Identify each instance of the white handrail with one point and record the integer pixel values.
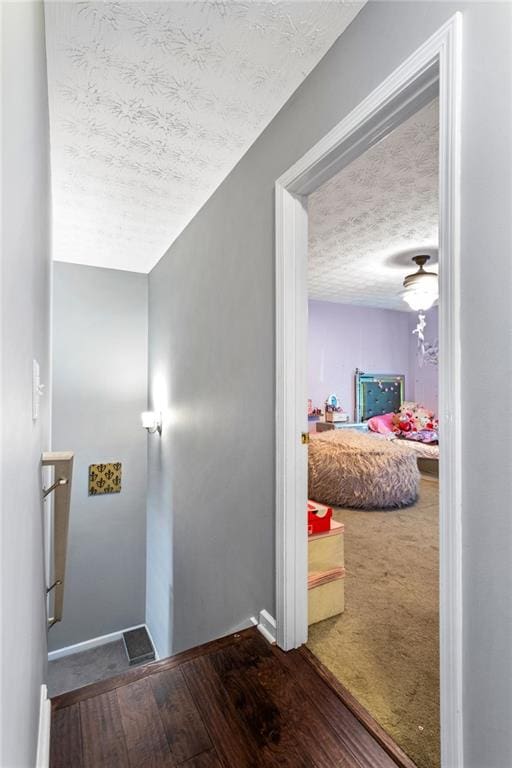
(62, 461)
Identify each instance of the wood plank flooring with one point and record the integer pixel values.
(235, 703)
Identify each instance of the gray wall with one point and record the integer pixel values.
(212, 347)
(25, 303)
(99, 390)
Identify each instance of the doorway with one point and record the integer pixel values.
(373, 552)
(435, 67)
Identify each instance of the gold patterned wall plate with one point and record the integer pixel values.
(104, 478)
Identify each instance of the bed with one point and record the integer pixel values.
(365, 469)
(377, 394)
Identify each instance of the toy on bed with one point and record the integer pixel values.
(412, 422)
(413, 417)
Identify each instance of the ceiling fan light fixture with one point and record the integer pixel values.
(421, 289)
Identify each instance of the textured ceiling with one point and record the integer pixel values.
(152, 104)
(367, 222)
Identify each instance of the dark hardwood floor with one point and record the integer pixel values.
(235, 703)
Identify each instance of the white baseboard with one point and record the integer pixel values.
(43, 737)
(94, 642)
(266, 624)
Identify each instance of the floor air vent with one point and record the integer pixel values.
(138, 645)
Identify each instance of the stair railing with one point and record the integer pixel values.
(62, 461)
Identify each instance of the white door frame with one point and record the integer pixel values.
(434, 67)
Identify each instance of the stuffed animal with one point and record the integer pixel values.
(413, 417)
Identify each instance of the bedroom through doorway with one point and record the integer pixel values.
(373, 452)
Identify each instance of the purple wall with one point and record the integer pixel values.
(343, 337)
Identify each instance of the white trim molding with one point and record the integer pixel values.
(94, 642)
(435, 68)
(266, 624)
(157, 655)
(43, 736)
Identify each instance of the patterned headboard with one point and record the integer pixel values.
(378, 393)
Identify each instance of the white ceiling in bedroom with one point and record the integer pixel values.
(152, 104)
(367, 222)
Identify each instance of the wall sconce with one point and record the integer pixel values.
(152, 421)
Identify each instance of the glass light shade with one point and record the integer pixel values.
(149, 420)
(421, 290)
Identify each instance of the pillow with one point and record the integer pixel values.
(382, 424)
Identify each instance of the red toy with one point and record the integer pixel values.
(319, 518)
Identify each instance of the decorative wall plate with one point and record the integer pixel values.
(105, 478)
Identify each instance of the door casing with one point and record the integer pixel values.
(434, 68)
